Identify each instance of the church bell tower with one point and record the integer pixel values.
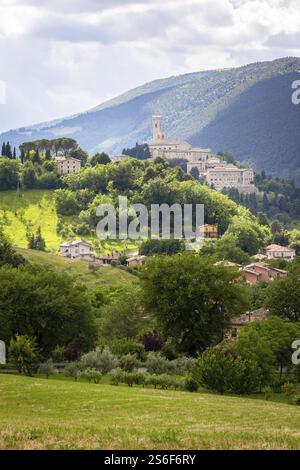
(158, 135)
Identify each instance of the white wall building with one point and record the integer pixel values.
(280, 252)
(67, 165)
(210, 168)
(76, 249)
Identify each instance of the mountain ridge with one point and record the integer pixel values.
(209, 108)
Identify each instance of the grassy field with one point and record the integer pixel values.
(56, 414)
(36, 208)
(106, 275)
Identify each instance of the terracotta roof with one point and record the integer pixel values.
(136, 258)
(251, 271)
(279, 248)
(260, 265)
(112, 256)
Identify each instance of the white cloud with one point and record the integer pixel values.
(64, 56)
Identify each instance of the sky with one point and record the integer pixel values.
(61, 57)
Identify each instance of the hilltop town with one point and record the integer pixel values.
(209, 168)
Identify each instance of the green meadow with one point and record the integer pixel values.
(61, 414)
(105, 275)
(22, 211)
(32, 209)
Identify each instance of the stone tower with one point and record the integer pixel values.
(158, 135)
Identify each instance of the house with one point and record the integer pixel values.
(67, 165)
(245, 319)
(262, 272)
(280, 252)
(108, 259)
(251, 276)
(136, 261)
(79, 249)
(208, 231)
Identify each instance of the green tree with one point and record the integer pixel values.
(50, 306)
(8, 152)
(8, 256)
(275, 227)
(100, 159)
(28, 175)
(192, 298)
(284, 297)
(123, 317)
(22, 352)
(9, 173)
(278, 336)
(222, 371)
(166, 247)
(251, 345)
(262, 219)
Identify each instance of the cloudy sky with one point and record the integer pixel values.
(60, 57)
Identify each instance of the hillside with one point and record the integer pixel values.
(35, 413)
(27, 210)
(247, 111)
(106, 275)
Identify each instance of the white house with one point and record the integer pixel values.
(76, 249)
(280, 252)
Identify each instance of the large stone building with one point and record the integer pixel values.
(67, 165)
(216, 172)
(176, 149)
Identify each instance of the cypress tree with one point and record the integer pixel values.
(36, 157)
(3, 151)
(48, 155)
(22, 157)
(8, 152)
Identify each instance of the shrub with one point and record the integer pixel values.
(117, 377)
(129, 362)
(153, 380)
(289, 389)
(72, 353)
(73, 369)
(191, 384)
(92, 375)
(58, 353)
(157, 364)
(183, 364)
(121, 347)
(163, 381)
(133, 378)
(23, 352)
(267, 392)
(47, 368)
(152, 341)
(222, 372)
(104, 361)
(297, 400)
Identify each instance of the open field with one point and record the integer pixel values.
(57, 414)
(106, 275)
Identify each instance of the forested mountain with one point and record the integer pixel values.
(247, 111)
